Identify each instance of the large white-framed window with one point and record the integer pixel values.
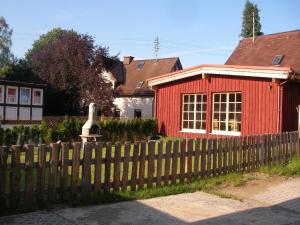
(25, 96)
(194, 113)
(11, 95)
(227, 113)
(37, 96)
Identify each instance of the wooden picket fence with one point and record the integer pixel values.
(57, 171)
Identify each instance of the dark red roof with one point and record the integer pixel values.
(262, 51)
(148, 68)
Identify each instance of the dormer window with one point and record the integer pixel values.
(140, 65)
(277, 60)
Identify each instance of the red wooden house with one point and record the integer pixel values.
(257, 91)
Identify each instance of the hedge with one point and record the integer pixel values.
(69, 130)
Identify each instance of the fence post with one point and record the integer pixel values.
(117, 167)
(29, 157)
(151, 152)
(159, 163)
(127, 148)
(142, 165)
(64, 170)
(167, 162)
(15, 177)
(41, 173)
(3, 170)
(86, 169)
(53, 172)
(76, 166)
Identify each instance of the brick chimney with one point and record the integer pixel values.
(127, 60)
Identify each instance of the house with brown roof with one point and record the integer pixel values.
(133, 97)
(257, 91)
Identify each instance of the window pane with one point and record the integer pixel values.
(185, 107)
(238, 117)
(238, 97)
(192, 98)
(223, 126)
(191, 125)
(198, 107)
(185, 124)
(238, 107)
(198, 125)
(203, 125)
(231, 116)
(238, 127)
(215, 125)
(216, 97)
(231, 107)
(204, 107)
(223, 97)
(204, 98)
(231, 97)
(223, 107)
(198, 98)
(216, 116)
(198, 116)
(204, 116)
(217, 107)
(186, 98)
(223, 117)
(185, 116)
(191, 116)
(191, 108)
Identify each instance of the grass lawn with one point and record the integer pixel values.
(292, 168)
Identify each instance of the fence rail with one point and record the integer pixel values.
(57, 171)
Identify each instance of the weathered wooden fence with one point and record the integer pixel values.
(56, 172)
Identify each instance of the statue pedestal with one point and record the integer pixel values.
(89, 138)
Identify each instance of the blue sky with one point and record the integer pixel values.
(198, 31)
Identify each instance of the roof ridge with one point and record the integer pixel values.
(278, 33)
(155, 59)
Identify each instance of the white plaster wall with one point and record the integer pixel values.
(127, 105)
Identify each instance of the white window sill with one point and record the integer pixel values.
(226, 133)
(193, 131)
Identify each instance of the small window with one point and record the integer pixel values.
(37, 97)
(137, 113)
(227, 113)
(1, 94)
(11, 95)
(194, 112)
(140, 65)
(277, 60)
(139, 84)
(25, 96)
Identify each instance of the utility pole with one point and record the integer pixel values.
(156, 48)
(253, 25)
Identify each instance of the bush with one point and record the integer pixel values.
(69, 130)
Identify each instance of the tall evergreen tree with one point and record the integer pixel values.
(247, 25)
(5, 42)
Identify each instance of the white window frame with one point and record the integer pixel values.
(227, 132)
(29, 99)
(3, 93)
(42, 94)
(188, 130)
(17, 94)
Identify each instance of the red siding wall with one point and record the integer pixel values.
(291, 99)
(259, 103)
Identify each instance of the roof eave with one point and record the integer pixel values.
(245, 72)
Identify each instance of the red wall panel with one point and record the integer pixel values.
(259, 103)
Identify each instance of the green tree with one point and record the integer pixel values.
(5, 42)
(71, 63)
(247, 25)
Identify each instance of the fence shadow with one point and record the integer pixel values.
(136, 213)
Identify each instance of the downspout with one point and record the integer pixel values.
(278, 104)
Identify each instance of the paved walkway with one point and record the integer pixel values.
(278, 205)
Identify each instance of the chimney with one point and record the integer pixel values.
(127, 60)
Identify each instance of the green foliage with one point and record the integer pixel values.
(128, 130)
(247, 24)
(70, 129)
(5, 42)
(292, 168)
